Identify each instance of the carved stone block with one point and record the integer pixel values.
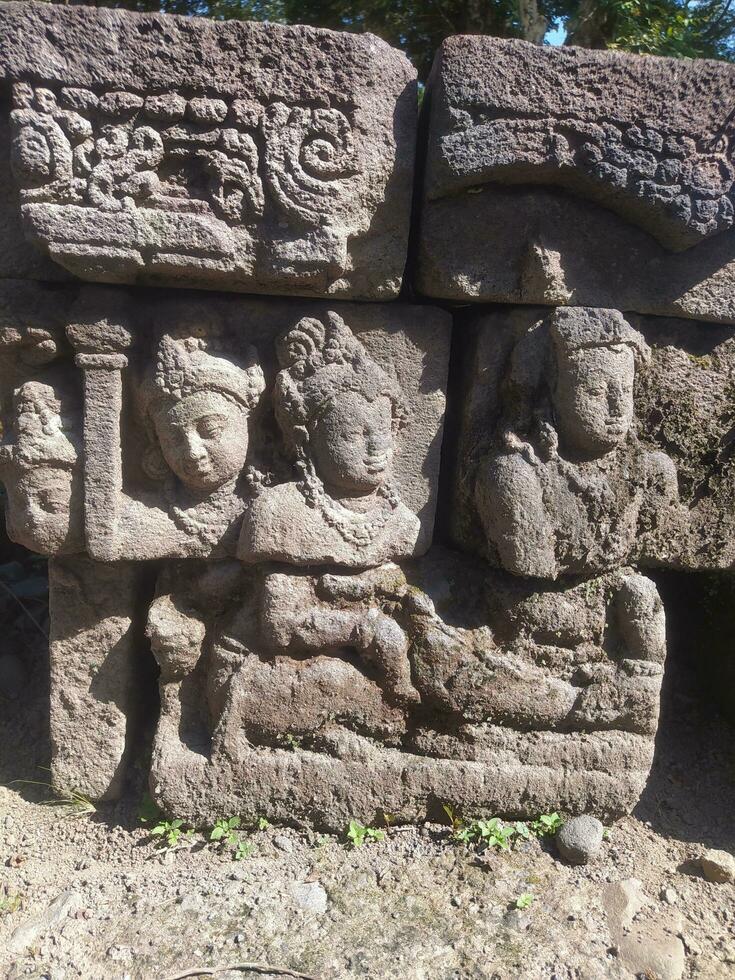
(588, 440)
(218, 426)
(236, 155)
(98, 657)
(579, 177)
(319, 697)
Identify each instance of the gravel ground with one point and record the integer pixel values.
(93, 896)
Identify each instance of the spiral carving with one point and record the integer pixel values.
(310, 160)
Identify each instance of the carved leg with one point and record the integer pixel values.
(98, 656)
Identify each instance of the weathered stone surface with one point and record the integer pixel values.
(588, 440)
(579, 839)
(316, 696)
(236, 155)
(648, 172)
(97, 656)
(718, 866)
(311, 435)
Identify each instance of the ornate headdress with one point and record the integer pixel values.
(185, 365)
(580, 328)
(321, 360)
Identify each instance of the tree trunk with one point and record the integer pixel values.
(533, 23)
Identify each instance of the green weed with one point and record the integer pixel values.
(358, 834)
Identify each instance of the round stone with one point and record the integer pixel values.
(579, 839)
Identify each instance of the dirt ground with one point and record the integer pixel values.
(93, 896)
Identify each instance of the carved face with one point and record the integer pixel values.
(44, 509)
(176, 637)
(593, 399)
(352, 443)
(204, 439)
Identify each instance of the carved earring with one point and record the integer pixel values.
(154, 465)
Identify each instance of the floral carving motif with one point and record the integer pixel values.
(310, 160)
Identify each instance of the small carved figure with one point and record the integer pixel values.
(40, 464)
(570, 483)
(339, 412)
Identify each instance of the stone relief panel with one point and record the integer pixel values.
(402, 687)
(643, 175)
(576, 449)
(210, 427)
(211, 179)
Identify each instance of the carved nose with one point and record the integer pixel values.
(615, 399)
(376, 443)
(194, 449)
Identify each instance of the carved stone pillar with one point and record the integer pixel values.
(99, 341)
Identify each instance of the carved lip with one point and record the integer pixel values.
(376, 464)
(198, 467)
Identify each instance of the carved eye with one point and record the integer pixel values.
(51, 503)
(211, 427)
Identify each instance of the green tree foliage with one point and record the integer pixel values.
(678, 28)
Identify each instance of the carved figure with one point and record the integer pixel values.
(40, 464)
(196, 403)
(569, 482)
(339, 412)
(351, 692)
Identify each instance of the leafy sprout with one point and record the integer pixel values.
(358, 834)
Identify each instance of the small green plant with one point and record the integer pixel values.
(358, 834)
(263, 824)
(243, 850)
(522, 830)
(290, 741)
(225, 832)
(524, 901)
(321, 840)
(171, 833)
(495, 833)
(546, 825)
(10, 904)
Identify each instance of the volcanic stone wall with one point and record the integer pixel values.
(223, 404)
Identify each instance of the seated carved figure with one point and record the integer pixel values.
(569, 484)
(196, 405)
(339, 412)
(324, 694)
(40, 464)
